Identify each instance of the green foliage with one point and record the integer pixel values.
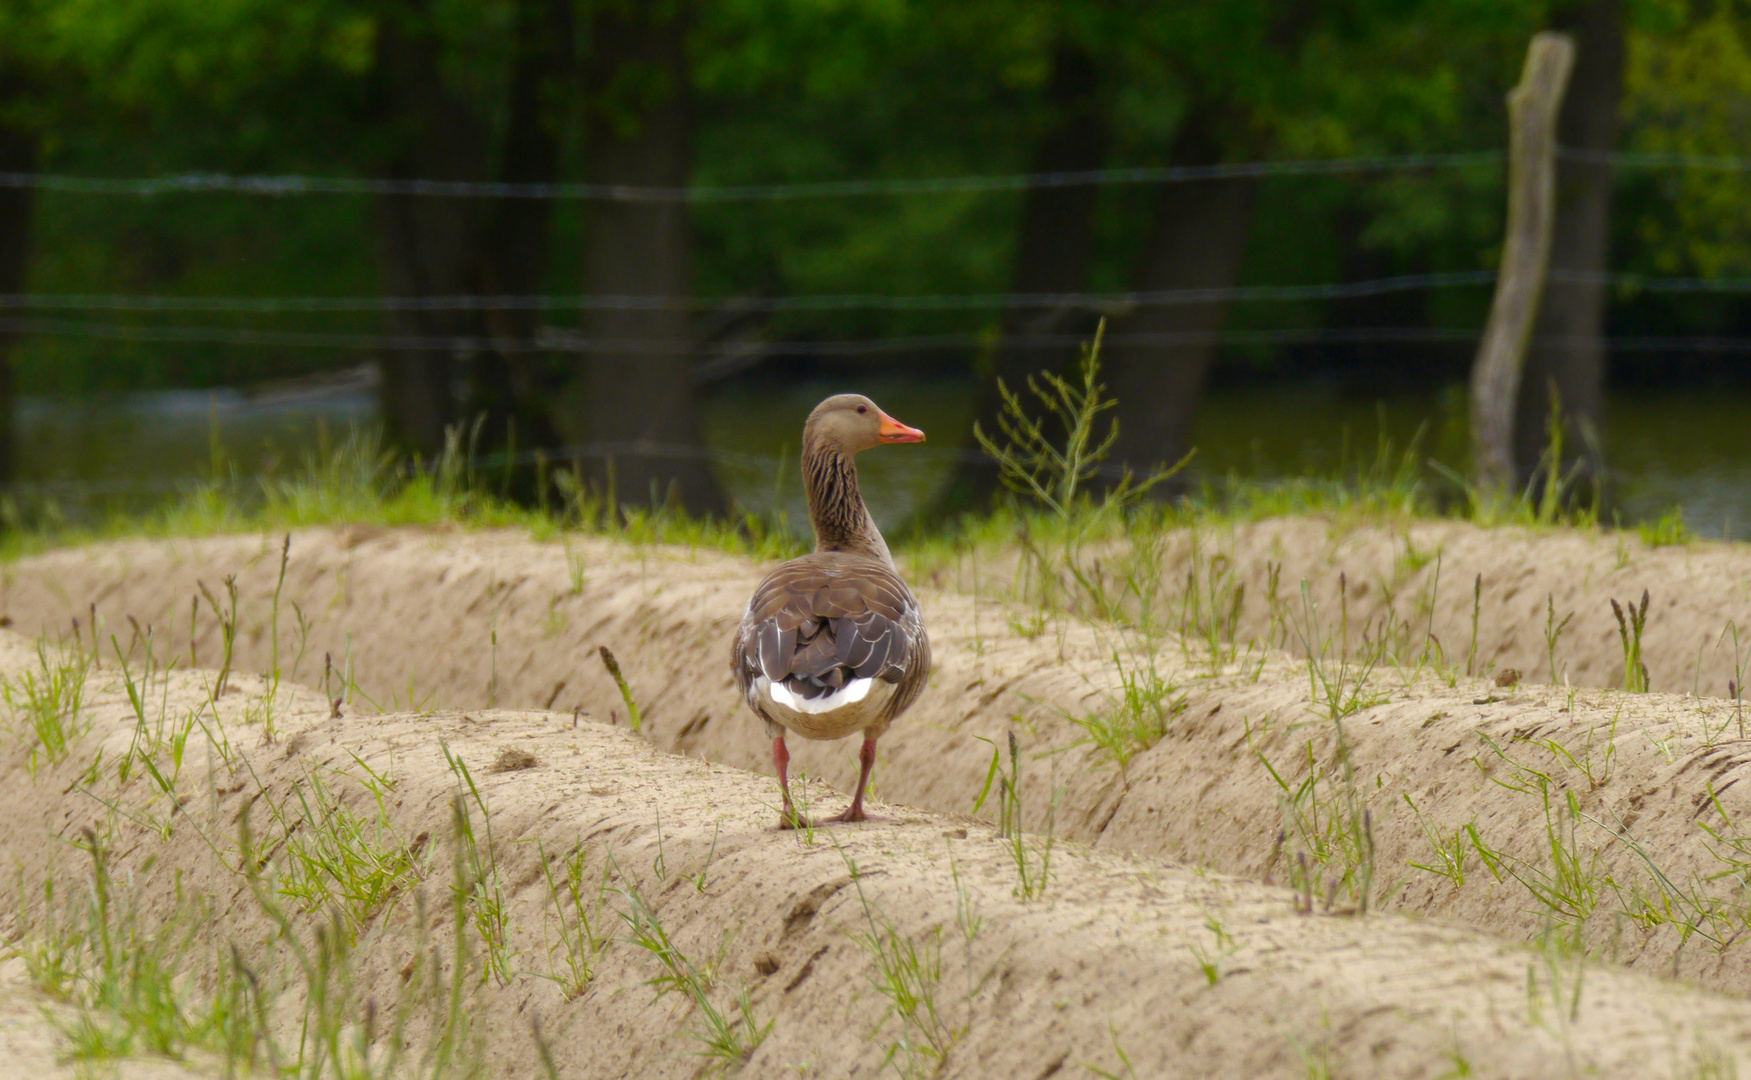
(795, 90)
(1683, 86)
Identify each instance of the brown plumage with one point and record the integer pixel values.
(833, 642)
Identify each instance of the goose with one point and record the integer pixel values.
(833, 642)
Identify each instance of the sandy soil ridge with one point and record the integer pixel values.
(1427, 571)
(1190, 974)
(1615, 820)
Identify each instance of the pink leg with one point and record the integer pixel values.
(781, 760)
(866, 761)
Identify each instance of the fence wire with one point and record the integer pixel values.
(1108, 303)
(201, 183)
(295, 185)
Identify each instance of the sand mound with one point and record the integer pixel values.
(1429, 572)
(479, 814)
(1609, 820)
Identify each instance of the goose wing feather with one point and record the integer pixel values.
(822, 619)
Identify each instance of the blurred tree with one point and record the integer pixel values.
(1688, 93)
(427, 246)
(760, 91)
(1055, 241)
(638, 399)
(1261, 80)
(20, 152)
(512, 386)
(26, 89)
(1196, 242)
(483, 94)
(397, 89)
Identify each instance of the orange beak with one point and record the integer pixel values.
(893, 431)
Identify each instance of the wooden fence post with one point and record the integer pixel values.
(1495, 375)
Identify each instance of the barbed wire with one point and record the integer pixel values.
(1636, 159)
(761, 305)
(557, 340)
(204, 183)
(718, 360)
(1112, 302)
(294, 185)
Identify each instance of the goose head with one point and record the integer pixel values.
(852, 423)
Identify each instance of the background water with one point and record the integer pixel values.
(82, 458)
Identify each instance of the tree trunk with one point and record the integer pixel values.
(427, 246)
(1533, 107)
(1054, 249)
(510, 385)
(1568, 347)
(1197, 241)
(19, 153)
(639, 405)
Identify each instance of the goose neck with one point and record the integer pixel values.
(836, 508)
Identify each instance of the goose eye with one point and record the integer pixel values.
(863, 408)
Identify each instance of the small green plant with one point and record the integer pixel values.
(1736, 685)
(1709, 1062)
(227, 617)
(1211, 605)
(1130, 1072)
(1594, 763)
(51, 700)
(1135, 715)
(1338, 687)
(577, 569)
(1213, 959)
(152, 738)
(1553, 632)
(1665, 531)
(1032, 464)
(1476, 607)
(274, 611)
(908, 974)
(1332, 833)
(1033, 868)
(1450, 852)
(699, 877)
(336, 860)
(572, 961)
(633, 716)
(1315, 1060)
(125, 974)
(478, 881)
(1569, 881)
(1631, 621)
(727, 1037)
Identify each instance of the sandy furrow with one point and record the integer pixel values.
(1112, 956)
(1621, 782)
(1430, 572)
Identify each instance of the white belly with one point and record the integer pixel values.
(854, 707)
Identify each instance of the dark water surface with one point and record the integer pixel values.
(1689, 450)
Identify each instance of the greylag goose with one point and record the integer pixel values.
(833, 642)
